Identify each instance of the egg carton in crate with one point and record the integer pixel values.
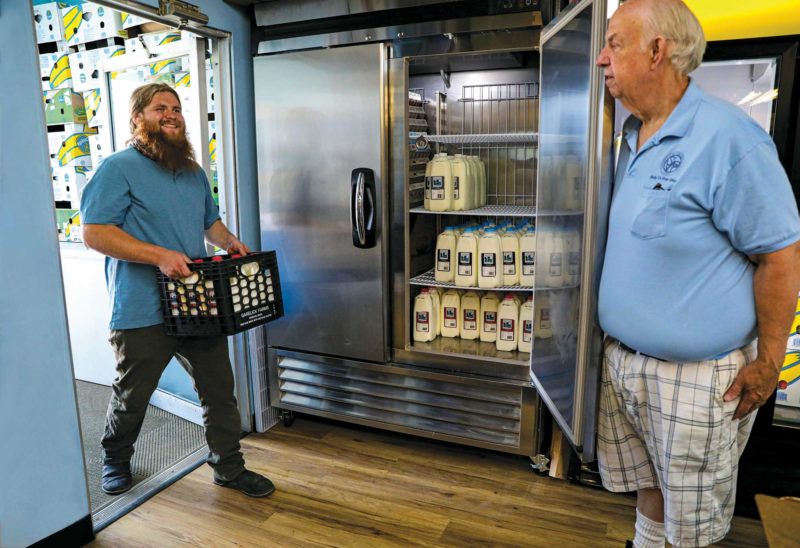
(224, 295)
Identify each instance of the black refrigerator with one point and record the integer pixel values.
(762, 76)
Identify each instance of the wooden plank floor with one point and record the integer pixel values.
(344, 486)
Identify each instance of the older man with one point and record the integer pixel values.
(151, 205)
(699, 281)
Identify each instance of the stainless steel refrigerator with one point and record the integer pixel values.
(345, 125)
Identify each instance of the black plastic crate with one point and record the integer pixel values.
(225, 294)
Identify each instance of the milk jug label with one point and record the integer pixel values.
(465, 263)
(574, 261)
(450, 319)
(423, 324)
(527, 330)
(443, 262)
(544, 318)
(555, 264)
(437, 188)
(490, 322)
(488, 266)
(456, 191)
(509, 267)
(470, 319)
(507, 329)
(428, 188)
(528, 263)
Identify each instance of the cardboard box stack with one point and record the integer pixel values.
(76, 38)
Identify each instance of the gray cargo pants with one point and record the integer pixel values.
(142, 355)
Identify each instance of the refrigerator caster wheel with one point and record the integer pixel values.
(288, 418)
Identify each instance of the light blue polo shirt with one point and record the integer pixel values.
(703, 193)
(154, 205)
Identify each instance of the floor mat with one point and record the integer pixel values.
(164, 440)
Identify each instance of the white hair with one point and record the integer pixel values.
(673, 20)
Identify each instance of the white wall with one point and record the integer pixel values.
(42, 476)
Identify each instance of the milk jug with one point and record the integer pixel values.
(527, 249)
(467, 255)
(572, 250)
(574, 188)
(441, 184)
(481, 180)
(436, 296)
(507, 320)
(424, 317)
(509, 244)
(542, 328)
(470, 315)
(551, 258)
(451, 313)
(428, 170)
(526, 325)
(488, 323)
(462, 185)
(490, 253)
(445, 255)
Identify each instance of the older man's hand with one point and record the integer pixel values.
(755, 383)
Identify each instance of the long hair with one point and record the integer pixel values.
(143, 95)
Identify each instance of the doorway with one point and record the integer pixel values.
(91, 59)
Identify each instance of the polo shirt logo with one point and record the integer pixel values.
(672, 162)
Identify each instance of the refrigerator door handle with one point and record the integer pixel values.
(362, 207)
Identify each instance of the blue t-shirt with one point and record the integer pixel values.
(154, 205)
(706, 190)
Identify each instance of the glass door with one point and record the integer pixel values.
(573, 183)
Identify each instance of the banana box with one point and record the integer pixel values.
(154, 43)
(63, 106)
(96, 114)
(100, 145)
(47, 19)
(68, 184)
(71, 147)
(210, 99)
(55, 70)
(87, 66)
(129, 20)
(212, 142)
(88, 22)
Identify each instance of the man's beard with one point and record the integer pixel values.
(172, 152)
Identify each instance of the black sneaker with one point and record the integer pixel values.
(116, 478)
(249, 483)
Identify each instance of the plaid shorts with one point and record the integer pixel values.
(664, 425)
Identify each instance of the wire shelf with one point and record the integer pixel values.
(429, 279)
(485, 139)
(488, 211)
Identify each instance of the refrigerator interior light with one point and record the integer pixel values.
(749, 97)
(765, 97)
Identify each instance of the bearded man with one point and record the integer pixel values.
(151, 205)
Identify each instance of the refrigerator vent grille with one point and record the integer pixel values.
(486, 414)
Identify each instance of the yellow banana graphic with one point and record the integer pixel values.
(184, 80)
(75, 146)
(91, 99)
(790, 372)
(170, 38)
(72, 22)
(60, 72)
(163, 67)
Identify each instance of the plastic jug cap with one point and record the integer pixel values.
(216, 258)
